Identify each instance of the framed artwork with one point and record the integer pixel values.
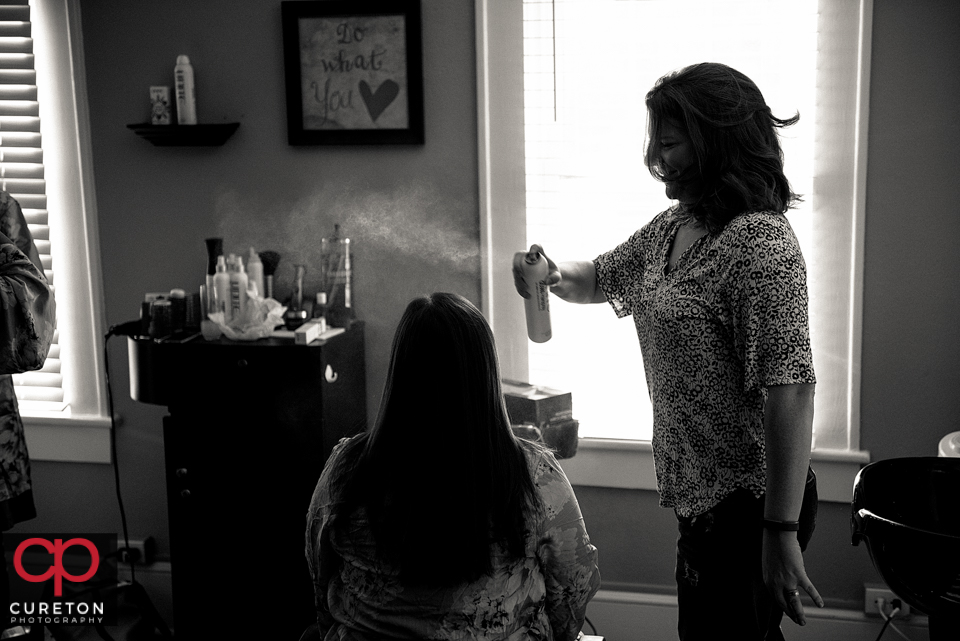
(353, 71)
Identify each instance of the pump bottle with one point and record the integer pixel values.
(537, 306)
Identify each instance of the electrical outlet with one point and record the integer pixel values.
(872, 595)
(143, 550)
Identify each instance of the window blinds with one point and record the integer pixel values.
(587, 67)
(22, 175)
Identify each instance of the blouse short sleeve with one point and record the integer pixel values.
(768, 300)
(621, 270)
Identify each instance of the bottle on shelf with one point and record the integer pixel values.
(186, 92)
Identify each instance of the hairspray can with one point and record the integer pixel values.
(537, 306)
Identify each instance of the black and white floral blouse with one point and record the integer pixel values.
(542, 595)
(728, 321)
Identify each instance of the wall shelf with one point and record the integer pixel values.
(185, 135)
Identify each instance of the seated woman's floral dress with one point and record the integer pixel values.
(543, 595)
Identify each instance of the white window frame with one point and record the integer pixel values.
(610, 462)
(82, 432)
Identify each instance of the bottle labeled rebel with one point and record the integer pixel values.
(238, 290)
(537, 306)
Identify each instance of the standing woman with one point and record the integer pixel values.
(439, 523)
(717, 289)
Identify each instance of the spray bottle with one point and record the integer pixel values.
(537, 306)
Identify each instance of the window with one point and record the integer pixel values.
(577, 141)
(64, 405)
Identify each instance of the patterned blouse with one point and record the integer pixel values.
(27, 323)
(728, 321)
(541, 596)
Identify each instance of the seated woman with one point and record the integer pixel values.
(439, 523)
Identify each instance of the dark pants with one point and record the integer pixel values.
(720, 587)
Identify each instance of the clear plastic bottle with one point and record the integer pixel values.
(220, 299)
(336, 277)
(537, 306)
(255, 272)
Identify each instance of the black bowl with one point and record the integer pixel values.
(908, 512)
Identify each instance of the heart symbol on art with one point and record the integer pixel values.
(377, 101)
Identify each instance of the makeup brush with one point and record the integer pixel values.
(270, 260)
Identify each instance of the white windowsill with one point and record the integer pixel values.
(629, 465)
(78, 439)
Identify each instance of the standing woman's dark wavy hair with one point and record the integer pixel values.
(733, 133)
(441, 474)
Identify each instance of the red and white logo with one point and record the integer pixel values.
(56, 570)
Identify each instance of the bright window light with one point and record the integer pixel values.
(587, 67)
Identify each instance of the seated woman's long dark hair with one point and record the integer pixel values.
(441, 474)
(733, 132)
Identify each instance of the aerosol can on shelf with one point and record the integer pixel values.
(186, 96)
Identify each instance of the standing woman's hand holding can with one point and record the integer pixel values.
(530, 273)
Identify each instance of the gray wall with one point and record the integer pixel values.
(156, 206)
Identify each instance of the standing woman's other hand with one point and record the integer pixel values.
(785, 576)
(523, 287)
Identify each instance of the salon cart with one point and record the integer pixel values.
(250, 426)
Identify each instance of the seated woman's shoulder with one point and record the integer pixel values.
(540, 458)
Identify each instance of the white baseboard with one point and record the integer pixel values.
(619, 615)
(635, 616)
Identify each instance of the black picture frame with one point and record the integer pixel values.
(354, 71)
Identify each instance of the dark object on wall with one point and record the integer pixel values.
(251, 425)
(353, 71)
(213, 135)
(906, 509)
